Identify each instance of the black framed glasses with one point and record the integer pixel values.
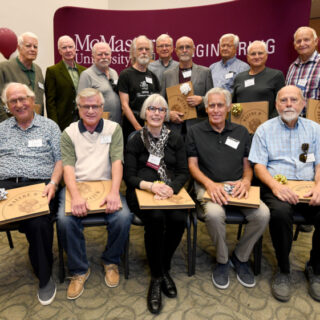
(304, 155)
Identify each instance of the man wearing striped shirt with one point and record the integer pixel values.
(304, 72)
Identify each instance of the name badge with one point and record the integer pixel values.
(154, 162)
(115, 81)
(148, 80)
(229, 75)
(249, 83)
(187, 74)
(233, 143)
(105, 139)
(302, 82)
(310, 157)
(35, 143)
(40, 85)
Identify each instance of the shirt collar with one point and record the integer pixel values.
(23, 67)
(36, 121)
(229, 62)
(311, 59)
(284, 125)
(83, 129)
(228, 126)
(70, 68)
(170, 61)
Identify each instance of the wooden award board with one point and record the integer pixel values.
(253, 200)
(105, 115)
(182, 200)
(23, 203)
(37, 108)
(313, 110)
(178, 101)
(94, 192)
(253, 114)
(301, 188)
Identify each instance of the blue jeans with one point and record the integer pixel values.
(70, 230)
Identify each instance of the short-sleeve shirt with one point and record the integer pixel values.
(220, 155)
(277, 147)
(138, 85)
(30, 153)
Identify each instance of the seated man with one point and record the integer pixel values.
(92, 149)
(225, 160)
(276, 149)
(30, 154)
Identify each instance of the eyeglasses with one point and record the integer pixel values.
(22, 99)
(187, 47)
(162, 46)
(87, 107)
(303, 156)
(155, 109)
(219, 105)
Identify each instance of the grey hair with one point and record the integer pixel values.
(299, 90)
(228, 35)
(315, 37)
(28, 34)
(29, 92)
(224, 92)
(154, 100)
(163, 37)
(87, 93)
(262, 43)
(93, 50)
(134, 45)
(62, 38)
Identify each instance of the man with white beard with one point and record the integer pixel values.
(136, 83)
(288, 145)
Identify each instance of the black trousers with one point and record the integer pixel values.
(281, 229)
(163, 233)
(39, 233)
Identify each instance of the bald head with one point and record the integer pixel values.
(185, 50)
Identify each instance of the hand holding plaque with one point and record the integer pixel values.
(177, 100)
(313, 110)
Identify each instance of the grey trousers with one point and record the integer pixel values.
(215, 215)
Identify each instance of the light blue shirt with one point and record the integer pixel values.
(223, 74)
(278, 147)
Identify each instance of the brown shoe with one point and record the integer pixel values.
(76, 284)
(112, 275)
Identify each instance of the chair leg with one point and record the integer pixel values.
(189, 249)
(61, 259)
(126, 258)
(10, 239)
(257, 256)
(239, 231)
(194, 241)
(296, 233)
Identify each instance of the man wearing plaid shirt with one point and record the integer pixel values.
(304, 72)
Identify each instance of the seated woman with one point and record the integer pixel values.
(155, 160)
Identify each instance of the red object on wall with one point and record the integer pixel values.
(8, 42)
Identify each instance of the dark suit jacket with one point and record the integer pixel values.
(61, 94)
(201, 80)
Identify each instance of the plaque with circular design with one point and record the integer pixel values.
(94, 192)
(252, 114)
(313, 110)
(301, 188)
(23, 203)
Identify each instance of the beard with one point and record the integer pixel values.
(143, 60)
(289, 115)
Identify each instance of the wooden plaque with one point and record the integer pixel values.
(105, 115)
(182, 200)
(37, 108)
(178, 101)
(301, 188)
(23, 203)
(313, 110)
(253, 114)
(253, 200)
(94, 192)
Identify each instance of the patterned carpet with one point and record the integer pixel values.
(197, 298)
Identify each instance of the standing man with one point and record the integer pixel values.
(187, 71)
(224, 71)
(294, 153)
(164, 49)
(61, 85)
(225, 160)
(136, 83)
(92, 149)
(304, 72)
(30, 154)
(100, 76)
(22, 69)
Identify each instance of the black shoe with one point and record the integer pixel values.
(154, 295)
(168, 287)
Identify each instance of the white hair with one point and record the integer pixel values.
(63, 38)
(164, 36)
(134, 46)
(315, 37)
(261, 43)
(26, 34)
(29, 92)
(223, 92)
(94, 48)
(87, 93)
(228, 35)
